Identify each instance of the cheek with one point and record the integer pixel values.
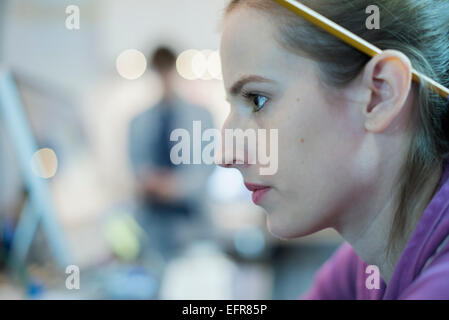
(298, 124)
(308, 139)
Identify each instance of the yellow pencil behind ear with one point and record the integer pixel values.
(353, 40)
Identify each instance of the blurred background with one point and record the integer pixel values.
(82, 183)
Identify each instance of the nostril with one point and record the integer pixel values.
(223, 163)
(228, 164)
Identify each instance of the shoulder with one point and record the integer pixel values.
(194, 112)
(142, 118)
(197, 109)
(433, 282)
(336, 279)
(343, 263)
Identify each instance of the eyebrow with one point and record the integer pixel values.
(236, 88)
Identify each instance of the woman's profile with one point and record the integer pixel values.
(362, 148)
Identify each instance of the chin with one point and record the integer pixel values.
(284, 229)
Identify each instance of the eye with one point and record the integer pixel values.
(258, 101)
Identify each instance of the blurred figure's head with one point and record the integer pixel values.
(163, 61)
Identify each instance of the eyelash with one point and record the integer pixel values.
(250, 97)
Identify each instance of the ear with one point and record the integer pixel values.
(388, 77)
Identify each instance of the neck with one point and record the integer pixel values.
(369, 236)
(168, 95)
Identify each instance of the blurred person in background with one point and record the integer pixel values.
(170, 196)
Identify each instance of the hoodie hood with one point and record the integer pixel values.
(426, 242)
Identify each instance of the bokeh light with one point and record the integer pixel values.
(214, 65)
(131, 64)
(194, 64)
(44, 163)
(193, 276)
(201, 63)
(184, 64)
(249, 242)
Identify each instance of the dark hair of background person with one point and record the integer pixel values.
(163, 59)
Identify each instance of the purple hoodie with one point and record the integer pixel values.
(422, 271)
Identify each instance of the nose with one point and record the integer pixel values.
(231, 154)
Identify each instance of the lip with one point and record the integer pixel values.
(259, 191)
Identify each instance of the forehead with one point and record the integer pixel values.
(249, 47)
(247, 26)
(247, 42)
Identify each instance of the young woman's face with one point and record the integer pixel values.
(318, 129)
